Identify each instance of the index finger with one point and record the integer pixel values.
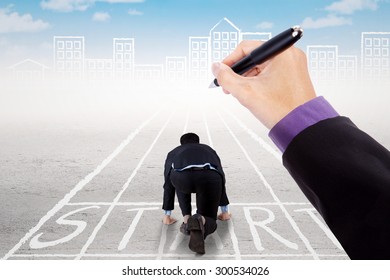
(242, 50)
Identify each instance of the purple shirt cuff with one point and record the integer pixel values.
(297, 120)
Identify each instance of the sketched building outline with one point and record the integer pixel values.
(123, 58)
(375, 55)
(28, 70)
(69, 54)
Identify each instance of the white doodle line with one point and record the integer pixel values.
(124, 188)
(268, 186)
(80, 186)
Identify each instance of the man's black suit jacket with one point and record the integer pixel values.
(185, 155)
(346, 176)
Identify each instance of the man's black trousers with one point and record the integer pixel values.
(207, 184)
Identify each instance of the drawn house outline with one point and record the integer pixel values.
(28, 70)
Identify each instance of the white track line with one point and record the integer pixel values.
(124, 188)
(231, 229)
(267, 185)
(79, 186)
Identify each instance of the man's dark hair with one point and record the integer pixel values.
(189, 138)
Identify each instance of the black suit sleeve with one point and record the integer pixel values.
(345, 174)
(169, 190)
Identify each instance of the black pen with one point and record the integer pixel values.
(266, 51)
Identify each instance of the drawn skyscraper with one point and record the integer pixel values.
(323, 62)
(123, 58)
(375, 49)
(69, 54)
(199, 57)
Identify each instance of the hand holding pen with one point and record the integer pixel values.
(273, 88)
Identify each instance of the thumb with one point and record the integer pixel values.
(226, 77)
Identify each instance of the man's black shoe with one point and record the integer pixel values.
(196, 228)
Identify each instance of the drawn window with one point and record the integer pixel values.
(119, 56)
(69, 55)
(127, 56)
(203, 64)
(195, 55)
(350, 64)
(171, 65)
(77, 65)
(217, 35)
(342, 64)
(217, 45)
(203, 46)
(225, 35)
(233, 45)
(385, 42)
(331, 55)
(203, 55)
(69, 45)
(77, 45)
(322, 55)
(128, 47)
(60, 55)
(195, 46)
(314, 55)
(216, 55)
(368, 52)
(225, 45)
(77, 55)
(314, 65)
(119, 47)
(377, 42)
(60, 45)
(368, 42)
(60, 65)
(180, 65)
(385, 52)
(233, 35)
(92, 64)
(377, 52)
(330, 64)
(225, 54)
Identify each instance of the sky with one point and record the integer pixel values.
(162, 27)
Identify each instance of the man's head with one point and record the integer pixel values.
(189, 138)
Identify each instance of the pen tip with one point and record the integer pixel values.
(212, 85)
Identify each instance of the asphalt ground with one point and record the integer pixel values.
(82, 173)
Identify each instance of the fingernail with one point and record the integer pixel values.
(215, 68)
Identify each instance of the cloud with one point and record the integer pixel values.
(265, 25)
(67, 5)
(11, 22)
(78, 5)
(101, 16)
(134, 12)
(348, 7)
(329, 21)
